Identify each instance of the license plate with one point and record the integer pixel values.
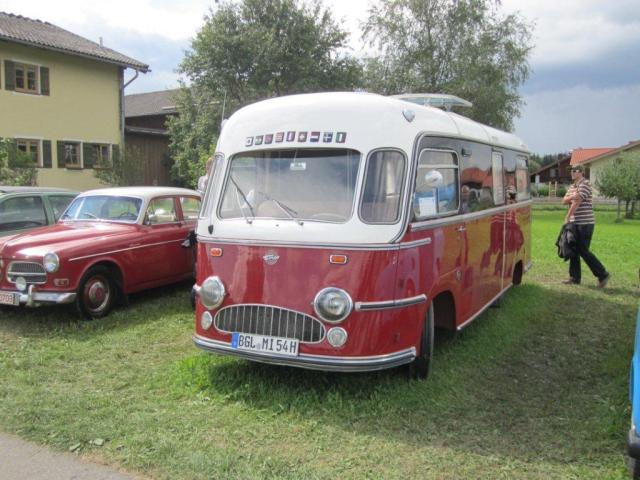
(9, 298)
(264, 344)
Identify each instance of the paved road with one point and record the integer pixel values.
(20, 460)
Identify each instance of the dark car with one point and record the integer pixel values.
(24, 208)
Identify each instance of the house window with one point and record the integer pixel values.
(26, 78)
(71, 155)
(30, 148)
(101, 155)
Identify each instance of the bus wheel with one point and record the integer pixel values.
(421, 366)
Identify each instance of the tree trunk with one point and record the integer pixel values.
(618, 217)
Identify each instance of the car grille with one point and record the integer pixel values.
(32, 272)
(271, 321)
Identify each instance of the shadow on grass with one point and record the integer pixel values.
(542, 378)
(65, 321)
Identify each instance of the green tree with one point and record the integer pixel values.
(248, 51)
(16, 168)
(125, 169)
(620, 179)
(461, 47)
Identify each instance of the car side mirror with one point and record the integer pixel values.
(150, 219)
(433, 179)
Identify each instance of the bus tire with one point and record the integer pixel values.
(421, 366)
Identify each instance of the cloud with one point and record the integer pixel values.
(557, 121)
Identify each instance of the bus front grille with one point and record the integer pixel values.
(270, 321)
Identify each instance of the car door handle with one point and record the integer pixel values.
(461, 228)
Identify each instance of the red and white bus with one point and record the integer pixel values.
(339, 229)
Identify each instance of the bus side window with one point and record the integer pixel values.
(383, 187)
(436, 191)
(522, 178)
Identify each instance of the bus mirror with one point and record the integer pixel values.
(433, 179)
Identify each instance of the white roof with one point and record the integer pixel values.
(141, 192)
(364, 116)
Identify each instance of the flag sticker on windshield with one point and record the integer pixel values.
(279, 137)
(341, 137)
(291, 136)
(248, 142)
(327, 137)
(315, 137)
(302, 136)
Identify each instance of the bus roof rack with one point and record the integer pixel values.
(439, 100)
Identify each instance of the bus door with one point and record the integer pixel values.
(482, 193)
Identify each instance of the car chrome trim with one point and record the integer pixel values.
(33, 298)
(528, 267)
(390, 304)
(441, 222)
(312, 362)
(41, 272)
(337, 246)
(134, 247)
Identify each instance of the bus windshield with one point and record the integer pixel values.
(291, 184)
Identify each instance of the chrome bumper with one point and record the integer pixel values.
(313, 362)
(34, 298)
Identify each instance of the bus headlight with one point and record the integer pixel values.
(212, 292)
(332, 304)
(51, 262)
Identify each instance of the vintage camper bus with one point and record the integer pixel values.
(338, 230)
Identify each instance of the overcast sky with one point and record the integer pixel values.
(584, 90)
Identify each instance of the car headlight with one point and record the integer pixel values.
(332, 304)
(212, 292)
(51, 262)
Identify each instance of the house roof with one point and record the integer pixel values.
(151, 103)
(612, 151)
(548, 166)
(582, 155)
(36, 33)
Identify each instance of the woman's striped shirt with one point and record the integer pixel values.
(584, 213)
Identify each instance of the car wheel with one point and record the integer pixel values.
(96, 293)
(421, 366)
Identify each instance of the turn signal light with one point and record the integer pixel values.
(61, 282)
(338, 259)
(216, 252)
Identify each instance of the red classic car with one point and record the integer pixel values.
(107, 244)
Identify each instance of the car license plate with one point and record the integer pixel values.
(9, 298)
(264, 344)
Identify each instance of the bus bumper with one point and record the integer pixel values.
(313, 362)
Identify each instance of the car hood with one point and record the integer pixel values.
(61, 236)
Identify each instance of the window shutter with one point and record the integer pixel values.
(60, 152)
(9, 75)
(115, 155)
(46, 153)
(13, 153)
(88, 155)
(44, 80)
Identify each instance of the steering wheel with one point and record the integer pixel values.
(336, 217)
(89, 214)
(128, 215)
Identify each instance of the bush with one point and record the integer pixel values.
(16, 168)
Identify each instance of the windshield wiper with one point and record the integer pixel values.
(244, 197)
(291, 213)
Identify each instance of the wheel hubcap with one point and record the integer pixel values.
(96, 293)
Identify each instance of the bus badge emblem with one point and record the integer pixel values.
(271, 257)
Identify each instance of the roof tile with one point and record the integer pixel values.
(16, 28)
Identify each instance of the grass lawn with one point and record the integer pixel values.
(534, 389)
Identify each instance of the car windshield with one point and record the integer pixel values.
(292, 184)
(103, 207)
